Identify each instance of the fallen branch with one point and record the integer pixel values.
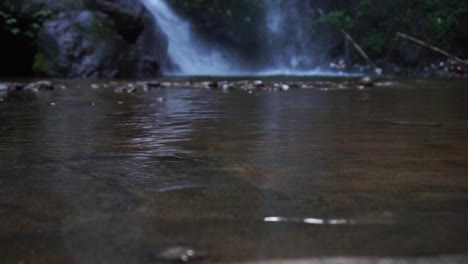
(436, 49)
(358, 48)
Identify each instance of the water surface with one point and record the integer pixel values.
(103, 177)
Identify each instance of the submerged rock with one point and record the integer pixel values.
(27, 91)
(180, 254)
(366, 81)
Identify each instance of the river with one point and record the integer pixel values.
(93, 176)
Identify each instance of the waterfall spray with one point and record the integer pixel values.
(287, 45)
(191, 54)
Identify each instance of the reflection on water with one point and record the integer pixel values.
(103, 177)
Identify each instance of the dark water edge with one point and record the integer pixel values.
(105, 177)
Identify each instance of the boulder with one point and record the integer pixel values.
(128, 24)
(99, 39)
(366, 81)
(40, 85)
(79, 44)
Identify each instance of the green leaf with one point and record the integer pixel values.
(15, 31)
(11, 21)
(29, 34)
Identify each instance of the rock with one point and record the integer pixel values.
(225, 86)
(213, 85)
(208, 85)
(180, 254)
(99, 39)
(41, 85)
(78, 44)
(285, 87)
(259, 84)
(128, 24)
(153, 84)
(22, 95)
(366, 81)
(31, 7)
(166, 84)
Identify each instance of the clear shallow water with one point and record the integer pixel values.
(113, 178)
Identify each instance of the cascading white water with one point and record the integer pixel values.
(286, 42)
(189, 53)
(289, 40)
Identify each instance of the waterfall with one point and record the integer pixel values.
(186, 49)
(290, 44)
(286, 43)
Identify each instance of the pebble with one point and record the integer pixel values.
(258, 82)
(180, 254)
(366, 81)
(153, 84)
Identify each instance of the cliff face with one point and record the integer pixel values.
(97, 39)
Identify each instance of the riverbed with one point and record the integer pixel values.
(91, 175)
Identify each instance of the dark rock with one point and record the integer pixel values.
(366, 81)
(213, 85)
(148, 65)
(128, 24)
(14, 87)
(33, 6)
(79, 44)
(153, 84)
(19, 94)
(259, 84)
(103, 39)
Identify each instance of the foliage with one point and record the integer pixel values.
(41, 64)
(373, 24)
(18, 24)
(376, 41)
(338, 19)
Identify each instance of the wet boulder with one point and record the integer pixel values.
(20, 92)
(78, 44)
(366, 82)
(100, 39)
(40, 85)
